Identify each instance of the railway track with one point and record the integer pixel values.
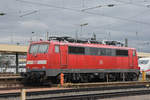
(95, 95)
(71, 91)
(105, 84)
(82, 93)
(10, 81)
(79, 94)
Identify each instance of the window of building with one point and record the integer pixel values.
(56, 48)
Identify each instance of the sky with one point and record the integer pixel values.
(27, 20)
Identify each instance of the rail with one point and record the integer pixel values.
(80, 93)
(9, 80)
(104, 84)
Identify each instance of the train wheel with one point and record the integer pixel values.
(84, 78)
(131, 77)
(134, 77)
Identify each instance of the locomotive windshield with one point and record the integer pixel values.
(38, 48)
(144, 62)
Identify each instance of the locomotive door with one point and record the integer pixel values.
(131, 59)
(63, 56)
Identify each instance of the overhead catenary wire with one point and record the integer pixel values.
(29, 13)
(139, 14)
(110, 5)
(131, 3)
(92, 13)
(46, 5)
(119, 18)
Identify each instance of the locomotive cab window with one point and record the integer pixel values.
(121, 52)
(108, 52)
(33, 48)
(43, 48)
(134, 53)
(76, 50)
(93, 51)
(103, 51)
(57, 49)
(39, 48)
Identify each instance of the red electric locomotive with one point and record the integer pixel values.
(80, 61)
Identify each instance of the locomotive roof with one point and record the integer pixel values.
(83, 44)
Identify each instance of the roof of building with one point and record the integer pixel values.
(7, 48)
(143, 54)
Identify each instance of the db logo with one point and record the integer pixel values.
(100, 62)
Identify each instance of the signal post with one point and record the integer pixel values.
(62, 79)
(143, 75)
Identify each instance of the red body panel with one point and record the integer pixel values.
(63, 60)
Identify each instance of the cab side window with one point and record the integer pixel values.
(57, 49)
(134, 53)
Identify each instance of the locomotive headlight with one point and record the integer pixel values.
(41, 62)
(29, 62)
